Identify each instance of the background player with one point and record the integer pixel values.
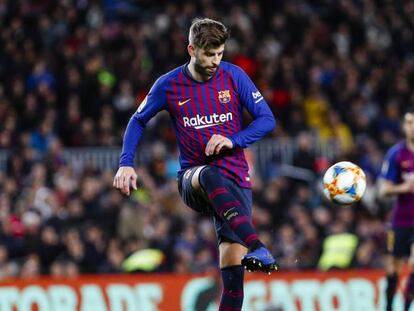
(205, 99)
(398, 179)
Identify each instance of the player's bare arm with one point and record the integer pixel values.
(218, 143)
(124, 178)
(388, 188)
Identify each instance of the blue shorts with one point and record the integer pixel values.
(198, 200)
(399, 241)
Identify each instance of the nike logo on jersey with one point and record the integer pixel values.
(182, 102)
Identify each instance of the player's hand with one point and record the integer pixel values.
(125, 177)
(217, 143)
(408, 186)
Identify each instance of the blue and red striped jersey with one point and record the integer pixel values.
(398, 166)
(201, 109)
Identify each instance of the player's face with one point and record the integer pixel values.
(206, 61)
(408, 126)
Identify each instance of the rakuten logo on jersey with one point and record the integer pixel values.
(200, 122)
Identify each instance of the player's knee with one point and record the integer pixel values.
(390, 269)
(393, 265)
(231, 254)
(209, 171)
(209, 174)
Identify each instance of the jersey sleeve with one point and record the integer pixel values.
(389, 170)
(155, 101)
(256, 105)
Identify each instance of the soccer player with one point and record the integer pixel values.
(397, 178)
(205, 99)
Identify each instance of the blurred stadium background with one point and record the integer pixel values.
(337, 75)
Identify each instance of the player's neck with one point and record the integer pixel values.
(410, 145)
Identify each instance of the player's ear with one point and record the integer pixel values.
(191, 50)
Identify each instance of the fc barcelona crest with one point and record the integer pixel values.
(224, 96)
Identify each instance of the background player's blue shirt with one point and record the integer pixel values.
(399, 166)
(201, 109)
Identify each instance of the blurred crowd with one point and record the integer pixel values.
(73, 71)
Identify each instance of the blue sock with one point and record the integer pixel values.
(232, 296)
(409, 292)
(228, 207)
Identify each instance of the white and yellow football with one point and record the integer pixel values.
(344, 183)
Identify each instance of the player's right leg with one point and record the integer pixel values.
(393, 267)
(409, 288)
(394, 263)
(232, 206)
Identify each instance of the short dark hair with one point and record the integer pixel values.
(207, 33)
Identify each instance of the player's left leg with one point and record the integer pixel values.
(409, 288)
(232, 208)
(393, 268)
(232, 274)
